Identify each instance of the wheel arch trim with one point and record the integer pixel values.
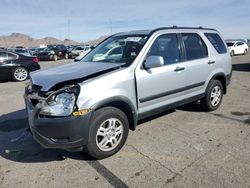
(129, 109)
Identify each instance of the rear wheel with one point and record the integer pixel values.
(108, 132)
(20, 74)
(213, 97)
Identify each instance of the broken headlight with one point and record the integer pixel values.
(61, 103)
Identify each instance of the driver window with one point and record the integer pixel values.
(167, 47)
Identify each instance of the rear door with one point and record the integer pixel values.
(198, 64)
(240, 48)
(165, 85)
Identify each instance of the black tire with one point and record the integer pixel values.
(245, 52)
(100, 117)
(55, 58)
(207, 102)
(20, 74)
(232, 53)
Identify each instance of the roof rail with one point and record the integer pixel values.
(176, 27)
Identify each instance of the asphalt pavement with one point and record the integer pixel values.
(184, 147)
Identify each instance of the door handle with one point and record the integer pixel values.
(177, 69)
(211, 62)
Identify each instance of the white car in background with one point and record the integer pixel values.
(76, 51)
(237, 47)
(82, 54)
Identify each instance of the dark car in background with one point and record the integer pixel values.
(53, 52)
(22, 51)
(35, 50)
(16, 66)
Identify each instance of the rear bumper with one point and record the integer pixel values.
(34, 67)
(69, 133)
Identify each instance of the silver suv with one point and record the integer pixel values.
(92, 104)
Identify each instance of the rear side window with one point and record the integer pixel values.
(240, 43)
(194, 46)
(217, 42)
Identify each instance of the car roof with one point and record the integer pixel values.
(234, 41)
(149, 32)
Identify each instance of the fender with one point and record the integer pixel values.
(115, 101)
(224, 81)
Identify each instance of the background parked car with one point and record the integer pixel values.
(16, 66)
(82, 54)
(248, 42)
(53, 52)
(77, 50)
(237, 47)
(23, 51)
(35, 50)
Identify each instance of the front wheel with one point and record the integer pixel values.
(55, 58)
(108, 132)
(213, 97)
(232, 53)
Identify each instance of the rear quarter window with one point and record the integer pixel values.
(217, 42)
(12, 56)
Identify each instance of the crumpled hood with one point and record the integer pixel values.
(72, 71)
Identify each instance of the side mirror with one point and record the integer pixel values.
(153, 61)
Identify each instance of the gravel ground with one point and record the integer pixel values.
(184, 147)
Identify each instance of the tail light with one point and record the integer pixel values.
(59, 53)
(35, 60)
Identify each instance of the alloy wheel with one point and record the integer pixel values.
(215, 96)
(20, 74)
(109, 134)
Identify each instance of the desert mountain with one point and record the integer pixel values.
(18, 39)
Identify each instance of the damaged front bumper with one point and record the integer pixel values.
(69, 133)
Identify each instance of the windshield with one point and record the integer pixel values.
(117, 49)
(230, 44)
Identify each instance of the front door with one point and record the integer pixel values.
(164, 85)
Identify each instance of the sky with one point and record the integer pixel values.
(86, 20)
